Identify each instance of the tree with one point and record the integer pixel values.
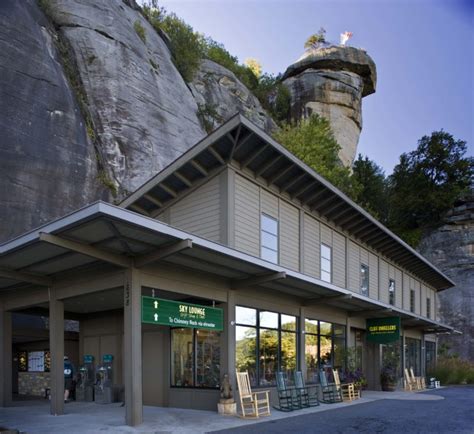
(316, 40)
(312, 141)
(426, 182)
(372, 195)
(254, 65)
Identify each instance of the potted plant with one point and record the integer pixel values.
(390, 367)
(388, 378)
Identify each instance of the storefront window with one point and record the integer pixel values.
(195, 358)
(413, 355)
(430, 348)
(325, 345)
(274, 350)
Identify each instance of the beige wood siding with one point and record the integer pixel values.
(199, 212)
(406, 292)
(339, 259)
(269, 203)
(289, 236)
(353, 267)
(384, 276)
(417, 286)
(247, 216)
(311, 247)
(373, 276)
(326, 235)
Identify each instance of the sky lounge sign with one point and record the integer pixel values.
(178, 314)
(383, 330)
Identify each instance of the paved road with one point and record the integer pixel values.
(454, 414)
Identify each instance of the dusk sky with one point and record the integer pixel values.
(423, 50)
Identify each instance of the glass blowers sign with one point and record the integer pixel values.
(383, 330)
(177, 314)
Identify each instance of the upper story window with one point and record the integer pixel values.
(364, 279)
(326, 255)
(269, 238)
(391, 291)
(428, 307)
(412, 300)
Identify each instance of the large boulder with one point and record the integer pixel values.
(48, 165)
(220, 94)
(331, 82)
(451, 248)
(144, 114)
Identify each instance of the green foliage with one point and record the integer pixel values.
(107, 182)
(312, 141)
(315, 40)
(140, 30)
(426, 183)
(46, 7)
(207, 115)
(255, 66)
(452, 370)
(372, 195)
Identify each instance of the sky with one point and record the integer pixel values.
(423, 50)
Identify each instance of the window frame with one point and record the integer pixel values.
(412, 300)
(321, 257)
(366, 291)
(276, 235)
(391, 293)
(258, 328)
(428, 307)
(194, 359)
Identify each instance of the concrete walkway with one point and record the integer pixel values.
(81, 417)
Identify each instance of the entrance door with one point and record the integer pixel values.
(155, 366)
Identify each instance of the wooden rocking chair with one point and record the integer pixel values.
(418, 381)
(253, 404)
(410, 385)
(347, 389)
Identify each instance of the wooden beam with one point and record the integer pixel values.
(304, 189)
(139, 209)
(356, 233)
(258, 280)
(327, 299)
(295, 180)
(216, 155)
(347, 219)
(183, 179)
(25, 277)
(167, 189)
(199, 167)
(316, 195)
(339, 214)
(321, 204)
(86, 249)
(239, 144)
(163, 252)
(365, 312)
(280, 174)
(332, 208)
(267, 166)
(252, 157)
(119, 236)
(153, 200)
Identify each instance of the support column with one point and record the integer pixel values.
(229, 330)
(133, 348)
(56, 347)
(5, 357)
(301, 343)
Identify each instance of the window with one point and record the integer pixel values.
(326, 263)
(430, 360)
(195, 358)
(413, 355)
(364, 279)
(325, 345)
(412, 300)
(428, 307)
(265, 344)
(391, 291)
(269, 239)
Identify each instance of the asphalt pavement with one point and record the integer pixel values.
(454, 414)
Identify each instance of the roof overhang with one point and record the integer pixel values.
(241, 144)
(105, 234)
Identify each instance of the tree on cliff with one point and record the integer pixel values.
(426, 182)
(312, 141)
(372, 192)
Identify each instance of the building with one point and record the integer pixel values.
(270, 268)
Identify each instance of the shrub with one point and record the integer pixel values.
(452, 370)
(140, 30)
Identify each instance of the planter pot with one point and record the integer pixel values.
(389, 387)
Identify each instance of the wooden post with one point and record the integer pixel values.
(5, 357)
(56, 346)
(133, 348)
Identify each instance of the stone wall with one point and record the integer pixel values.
(33, 383)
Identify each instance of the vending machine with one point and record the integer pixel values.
(104, 390)
(85, 385)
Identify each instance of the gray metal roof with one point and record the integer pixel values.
(241, 143)
(122, 238)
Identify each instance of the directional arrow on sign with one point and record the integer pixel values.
(155, 303)
(156, 317)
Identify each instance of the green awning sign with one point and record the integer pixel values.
(383, 330)
(178, 314)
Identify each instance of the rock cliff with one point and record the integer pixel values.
(331, 82)
(451, 248)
